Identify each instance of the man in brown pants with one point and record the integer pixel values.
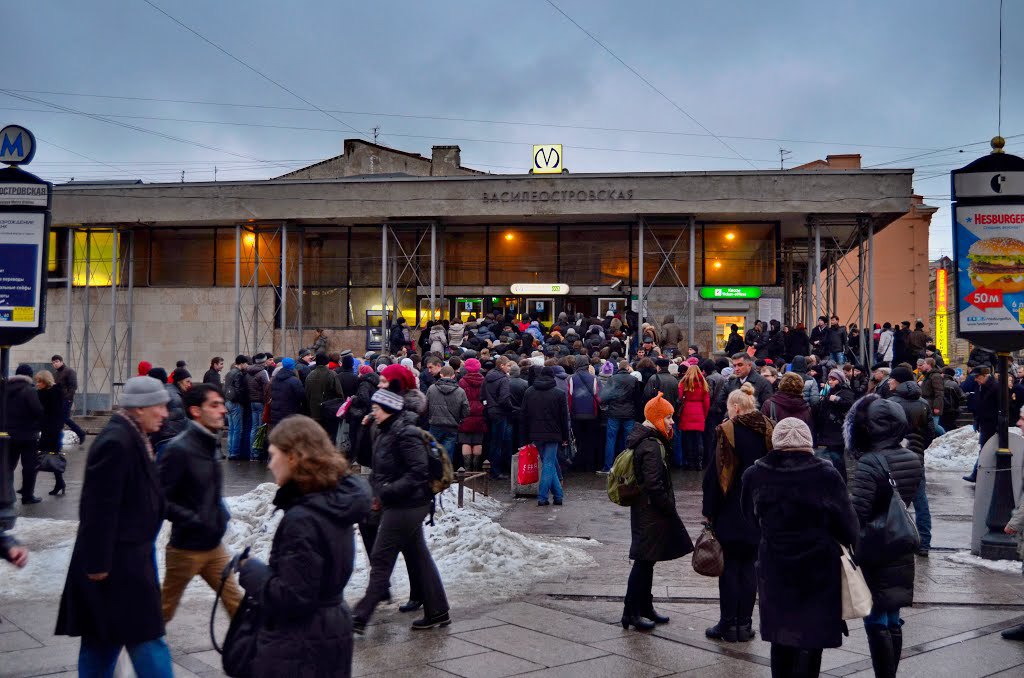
(190, 474)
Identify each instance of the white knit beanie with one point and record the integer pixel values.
(792, 434)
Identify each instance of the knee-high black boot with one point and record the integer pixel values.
(882, 656)
(896, 632)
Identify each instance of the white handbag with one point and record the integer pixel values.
(856, 594)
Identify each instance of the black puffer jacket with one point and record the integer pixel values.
(830, 415)
(618, 397)
(400, 475)
(287, 396)
(919, 417)
(176, 420)
(24, 411)
(307, 629)
(360, 405)
(191, 478)
(657, 530)
(545, 413)
(51, 425)
(874, 429)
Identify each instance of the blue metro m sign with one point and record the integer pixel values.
(17, 145)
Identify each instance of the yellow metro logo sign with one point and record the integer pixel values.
(547, 159)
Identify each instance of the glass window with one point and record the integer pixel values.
(321, 307)
(93, 251)
(181, 257)
(739, 254)
(325, 258)
(660, 240)
(521, 254)
(594, 255)
(465, 255)
(363, 299)
(364, 259)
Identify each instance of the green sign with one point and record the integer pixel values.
(730, 293)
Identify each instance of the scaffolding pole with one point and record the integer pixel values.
(640, 281)
(87, 331)
(283, 309)
(871, 282)
(818, 302)
(384, 329)
(238, 289)
(130, 336)
(113, 311)
(691, 282)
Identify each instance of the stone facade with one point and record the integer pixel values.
(362, 158)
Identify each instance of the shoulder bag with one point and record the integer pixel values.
(239, 649)
(856, 594)
(708, 558)
(892, 533)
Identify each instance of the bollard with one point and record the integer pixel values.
(487, 478)
(460, 478)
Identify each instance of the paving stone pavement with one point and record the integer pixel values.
(568, 625)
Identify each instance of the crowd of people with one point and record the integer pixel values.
(769, 426)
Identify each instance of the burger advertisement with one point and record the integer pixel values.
(990, 258)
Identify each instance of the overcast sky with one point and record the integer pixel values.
(889, 80)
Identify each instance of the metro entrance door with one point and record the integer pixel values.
(543, 309)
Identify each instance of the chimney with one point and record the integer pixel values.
(847, 161)
(445, 160)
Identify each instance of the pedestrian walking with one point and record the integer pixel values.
(657, 533)
(306, 628)
(67, 382)
(24, 422)
(933, 391)
(192, 483)
(694, 407)
(111, 594)
(545, 423)
(874, 429)
(802, 509)
(400, 481)
(743, 438)
(51, 424)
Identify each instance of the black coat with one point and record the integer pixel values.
(801, 506)
(24, 411)
(307, 629)
(762, 389)
(497, 395)
(191, 478)
(400, 475)
(619, 397)
(830, 415)
(349, 382)
(919, 417)
(657, 530)
(212, 376)
(664, 383)
(545, 413)
(730, 524)
(176, 419)
(734, 344)
(797, 343)
(52, 422)
(120, 514)
(360, 405)
(891, 583)
(287, 396)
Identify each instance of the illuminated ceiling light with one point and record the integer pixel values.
(730, 236)
(510, 236)
(718, 265)
(249, 239)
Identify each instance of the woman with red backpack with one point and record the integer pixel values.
(694, 404)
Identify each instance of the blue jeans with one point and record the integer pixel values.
(236, 420)
(611, 443)
(501, 435)
(883, 618)
(549, 482)
(151, 659)
(256, 412)
(938, 427)
(923, 515)
(677, 450)
(447, 437)
(839, 358)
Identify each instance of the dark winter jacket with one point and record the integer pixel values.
(400, 475)
(801, 506)
(986, 409)
(287, 397)
(120, 514)
(762, 389)
(360, 405)
(544, 417)
(734, 344)
(473, 384)
(666, 384)
(349, 382)
(447, 404)
(656, 529)
(776, 346)
(176, 420)
(819, 340)
(797, 343)
(517, 389)
(723, 508)
(932, 388)
(917, 342)
(307, 628)
(583, 395)
(51, 424)
(496, 393)
(257, 382)
(321, 385)
(191, 478)
(618, 397)
(212, 376)
(892, 582)
(67, 381)
(24, 411)
(835, 340)
(919, 418)
(783, 405)
(830, 415)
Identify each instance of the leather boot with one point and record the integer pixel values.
(1014, 633)
(880, 644)
(896, 633)
(723, 630)
(744, 630)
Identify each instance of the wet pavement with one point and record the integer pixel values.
(568, 625)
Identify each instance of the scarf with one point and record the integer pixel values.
(135, 427)
(725, 455)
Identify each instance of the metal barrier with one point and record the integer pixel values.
(461, 476)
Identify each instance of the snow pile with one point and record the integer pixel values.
(965, 558)
(956, 450)
(478, 559)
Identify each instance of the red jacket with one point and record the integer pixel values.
(693, 408)
(472, 384)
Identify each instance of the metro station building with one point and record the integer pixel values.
(173, 271)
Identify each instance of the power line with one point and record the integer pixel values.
(251, 68)
(999, 114)
(646, 82)
(82, 155)
(484, 121)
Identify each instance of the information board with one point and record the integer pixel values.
(21, 261)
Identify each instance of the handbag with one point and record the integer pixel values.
(52, 462)
(528, 472)
(239, 649)
(892, 533)
(856, 594)
(708, 559)
(259, 441)
(567, 453)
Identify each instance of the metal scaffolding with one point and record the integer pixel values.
(663, 257)
(403, 268)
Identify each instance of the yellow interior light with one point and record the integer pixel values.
(510, 236)
(730, 236)
(718, 264)
(249, 239)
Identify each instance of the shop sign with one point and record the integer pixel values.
(941, 318)
(534, 289)
(988, 245)
(547, 159)
(730, 293)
